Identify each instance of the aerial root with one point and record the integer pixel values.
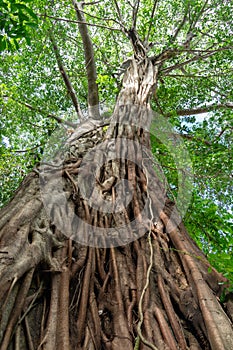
(176, 327)
(88, 275)
(17, 309)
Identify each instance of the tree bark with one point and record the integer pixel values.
(93, 94)
(93, 254)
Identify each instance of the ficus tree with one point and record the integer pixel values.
(118, 117)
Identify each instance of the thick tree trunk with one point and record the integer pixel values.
(93, 254)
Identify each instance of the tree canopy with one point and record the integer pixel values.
(41, 40)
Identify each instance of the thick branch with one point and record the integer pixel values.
(138, 45)
(93, 95)
(66, 77)
(193, 111)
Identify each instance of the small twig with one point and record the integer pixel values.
(101, 18)
(17, 337)
(118, 11)
(222, 132)
(42, 112)
(78, 22)
(193, 23)
(42, 323)
(92, 3)
(194, 58)
(182, 23)
(129, 3)
(158, 105)
(25, 150)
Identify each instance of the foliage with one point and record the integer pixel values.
(17, 19)
(212, 228)
(194, 92)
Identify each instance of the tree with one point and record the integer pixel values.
(94, 253)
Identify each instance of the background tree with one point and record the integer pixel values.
(158, 291)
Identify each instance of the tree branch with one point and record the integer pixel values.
(194, 22)
(93, 94)
(158, 104)
(48, 115)
(135, 13)
(119, 15)
(197, 57)
(111, 19)
(138, 45)
(193, 138)
(92, 3)
(66, 77)
(101, 18)
(129, 3)
(151, 19)
(180, 26)
(193, 111)
(188, 76)
(25, 150)
(79, 22)
(168, 53)
(222, 131)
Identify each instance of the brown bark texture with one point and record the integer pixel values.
(93, 254)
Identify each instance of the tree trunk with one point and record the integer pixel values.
(94, 255)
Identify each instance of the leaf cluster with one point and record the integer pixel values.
(17, 19)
